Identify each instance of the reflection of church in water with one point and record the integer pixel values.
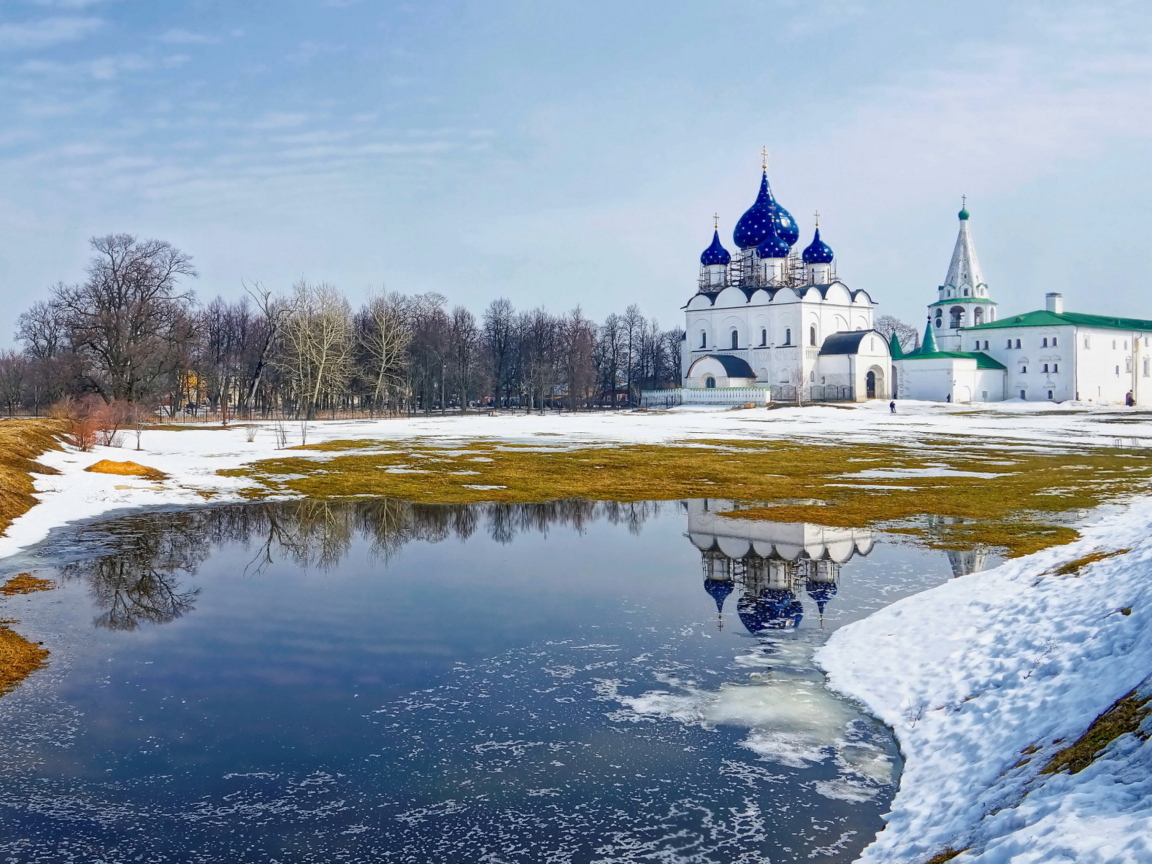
(772, 566)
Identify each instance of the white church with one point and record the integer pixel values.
(769, 323)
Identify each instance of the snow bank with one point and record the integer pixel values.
(974, 674)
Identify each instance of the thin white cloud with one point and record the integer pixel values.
(279, 120)
(33, 35)
(178, 36)
(68, 4)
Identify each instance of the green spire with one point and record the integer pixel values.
(963, 214)
(929, 344)
(894, 346)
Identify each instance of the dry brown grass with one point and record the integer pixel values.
(25, 583)
(1125, 716)
(125, 469)
(21, 442)
(1073, 567)
(19, 658)
(794, 481)
(945, 856)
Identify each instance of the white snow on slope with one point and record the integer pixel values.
(972, 673)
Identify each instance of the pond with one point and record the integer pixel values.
(381, 681)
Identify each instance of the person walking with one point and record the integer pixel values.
(892, 406)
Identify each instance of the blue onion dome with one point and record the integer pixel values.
(715, 254)
(753, 225)
(773, 245)
(818, 252)
(822, 592)
(718, 590)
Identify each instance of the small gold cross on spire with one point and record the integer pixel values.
(964, 201)
(764, 158)
(817, 215)
(715, 221)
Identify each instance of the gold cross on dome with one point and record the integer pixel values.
(963, 200)
(715, 221)
(817, 215)
(764, 158)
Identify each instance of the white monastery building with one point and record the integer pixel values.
(769, 323)
(767, 320)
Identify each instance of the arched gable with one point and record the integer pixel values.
(731, 297)
(838, 292)
(700, 301)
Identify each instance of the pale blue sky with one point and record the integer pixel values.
(563, 153)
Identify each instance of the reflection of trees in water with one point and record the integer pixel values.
(140, 583)
(136, 578)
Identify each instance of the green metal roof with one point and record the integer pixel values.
(983, 301)
(983, 361)
(1043, 318)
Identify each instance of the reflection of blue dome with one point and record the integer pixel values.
(715, 254)
(753, 225)
(718, 590)
(773, 245)
(818, 252)
(773, 609)
(821, 592)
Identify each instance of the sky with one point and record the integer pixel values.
(573, 153)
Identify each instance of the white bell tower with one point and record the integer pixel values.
(963, 299)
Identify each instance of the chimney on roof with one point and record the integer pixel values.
(1054, 302)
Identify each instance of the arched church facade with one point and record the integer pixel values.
(771, 316)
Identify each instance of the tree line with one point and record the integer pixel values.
(133, 333)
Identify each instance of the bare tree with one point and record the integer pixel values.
(14, 379)
(465, 346)
(384, 332)
(499, 343)
(317, 343)
(128, 314)
(908, 335)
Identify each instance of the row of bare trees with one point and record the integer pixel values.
(132, 332)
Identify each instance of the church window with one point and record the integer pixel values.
(1017, 343)
(978, 316)
(1009, 343)
(1087, 342)
(735, 339)
(709, 382)
(1145, 367)
(788, 336)
(965, 292)
(1053, 341)
(1125, 344)
(1117, 371)
(1023, 369)
(763, 337)
(1045, 344)
(1128, 365)
(703, 339)
(937, 322)
(1055, 367)
(812, 376)
(1022, 396)
(1113, 344)
(812, 335)
(985, 344)
(1049, 394)
(1045, 367)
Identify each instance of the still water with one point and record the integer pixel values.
(380, 681)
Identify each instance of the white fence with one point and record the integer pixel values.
(705, 396)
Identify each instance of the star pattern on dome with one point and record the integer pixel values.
(716, 253)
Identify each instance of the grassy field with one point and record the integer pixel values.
(951, 493)
(21, 442)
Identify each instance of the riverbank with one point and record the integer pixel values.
(1013, 476)
(993, 683)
